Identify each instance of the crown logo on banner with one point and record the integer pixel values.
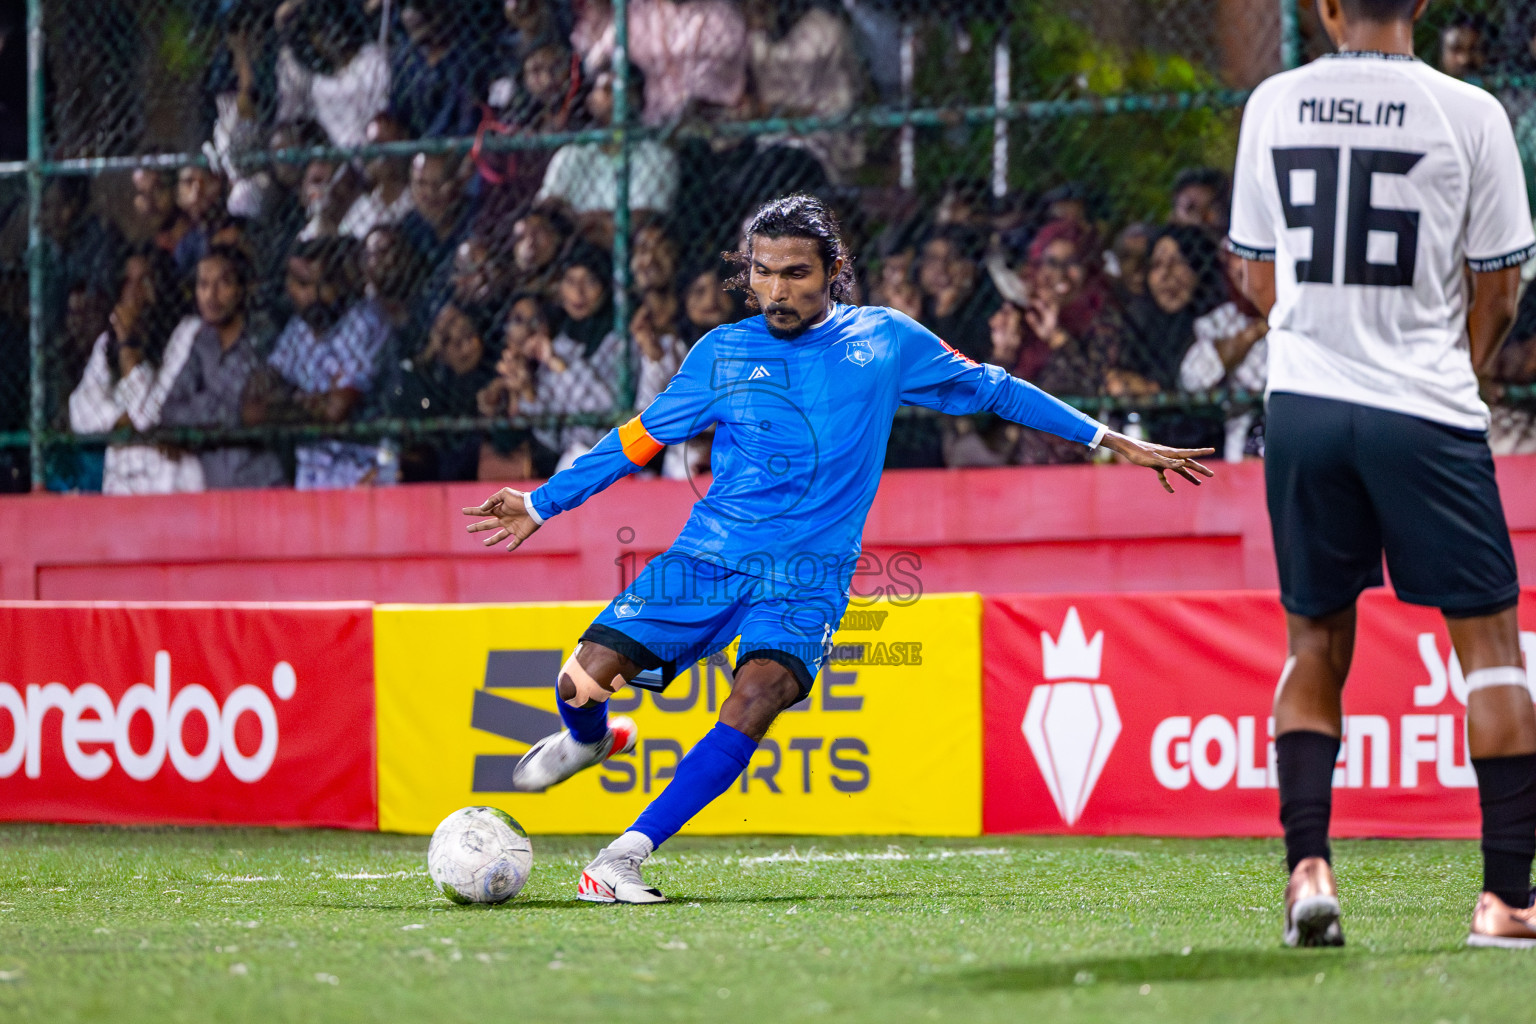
(1071, 655)
(1071, 726)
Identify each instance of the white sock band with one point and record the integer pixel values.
(1507, 675)
(633, 842)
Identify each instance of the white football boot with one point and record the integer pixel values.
(558, 756)
(614, 874)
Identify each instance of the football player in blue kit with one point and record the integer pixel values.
(801, 399)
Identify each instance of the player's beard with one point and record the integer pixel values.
(785, 333)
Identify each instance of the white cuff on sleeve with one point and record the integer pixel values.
(533, 513)
(1098, 437)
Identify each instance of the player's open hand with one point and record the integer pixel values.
(1158, 457)
(509, 518)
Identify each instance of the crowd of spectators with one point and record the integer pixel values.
(428, 283)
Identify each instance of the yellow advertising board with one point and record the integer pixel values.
(889, 742)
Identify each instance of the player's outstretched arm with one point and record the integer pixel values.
(937, 377)
(509, 518)
(1160, 458)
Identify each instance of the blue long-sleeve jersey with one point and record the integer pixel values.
(801, 427)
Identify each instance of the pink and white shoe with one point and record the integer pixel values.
(1498, 925)
(614, 877)
(557, 757)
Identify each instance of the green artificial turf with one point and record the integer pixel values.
(130, 925)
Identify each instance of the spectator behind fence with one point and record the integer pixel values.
(480, 276)
(579, 367)
(539, 237)
(78, 467)
(1070, 202)
(516, 454)
(583, 175)
(693, 54)
(155, 209)
(329, 189)
(330, 70)
(392, 272)
(325, 362)
(658, 312)
(1184, 283)
(446, 379)
(268, 197)
(200, 198)
(1465, 44)
(436, 76)
(241, 79)
(86, 316)
(387, 179)
(1230, 350)
(209, 390)
(131, 370)
(962, 203)
(1128, 261)
(804, 63)
(1064, 340)
(547, 98)
(1199, 199)
(895, 281)
(530, 24)
(958, 298)
(707, 302)
(80, 248)
(442, 211)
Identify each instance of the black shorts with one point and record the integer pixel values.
(1347, 481)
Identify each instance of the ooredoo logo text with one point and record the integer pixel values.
(94, 731)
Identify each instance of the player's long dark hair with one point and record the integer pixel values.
(795, 216)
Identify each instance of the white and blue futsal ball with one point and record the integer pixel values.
(479, 855)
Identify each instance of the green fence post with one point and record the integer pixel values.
(37, 421)
(1290, 33)
(621, 223)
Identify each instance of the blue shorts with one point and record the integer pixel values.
(681, 609)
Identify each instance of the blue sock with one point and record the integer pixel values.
(708, 770)
(588, 724)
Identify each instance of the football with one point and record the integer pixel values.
(479, 855)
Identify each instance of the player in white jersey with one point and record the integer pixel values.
(1380, 210)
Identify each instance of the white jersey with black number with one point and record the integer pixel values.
(1373, 181)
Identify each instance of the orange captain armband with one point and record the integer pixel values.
(639, 446)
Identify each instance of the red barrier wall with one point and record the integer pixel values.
(1046, 529)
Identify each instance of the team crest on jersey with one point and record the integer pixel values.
(629, 606)
(860, 352)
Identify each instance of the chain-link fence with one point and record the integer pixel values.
(336, 242)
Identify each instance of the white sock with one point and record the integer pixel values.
(633, 843)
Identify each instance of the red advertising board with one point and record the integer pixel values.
(1149, 714)
(188, 714)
